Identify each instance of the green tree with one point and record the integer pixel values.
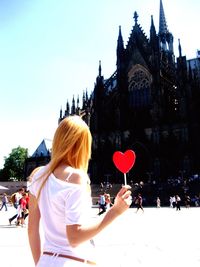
(14, 165)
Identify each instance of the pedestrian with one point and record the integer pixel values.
(4, 201)
(60, 196)
(108, 201)
(17, 197)
(22, 210)
(158, 202)
(187, 201)
(102, 204)
(138, 202)
(178, 202)
(174, 201)
(171, 202)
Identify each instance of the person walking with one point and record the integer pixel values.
(187, 201)
(138, 202)
(60, 197)
(108, 201)
(178, 202)
(17, 197)
(102, 204)
(4, 201)
(158, 202)
(22, 210)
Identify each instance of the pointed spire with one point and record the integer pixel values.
(179, 48)
(83, 100)
(99, 77)
(120, 42)
(120, 48)
(61, 112)
(152, 24)
(99, 68)
(86, 95)
(83, 96)
(162, 21)
(67, 107)
(135, 17)
(152, 29)
(73, 110)
(77, 101)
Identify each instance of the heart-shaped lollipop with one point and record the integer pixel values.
(124, 161)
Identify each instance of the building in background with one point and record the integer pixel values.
(151, 104)
(40, 157)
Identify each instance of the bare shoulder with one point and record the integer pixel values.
(35, 171)
(77, 177)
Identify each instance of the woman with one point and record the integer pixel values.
(60, 196)
(108, 201)
(22, 210)
(138, 202)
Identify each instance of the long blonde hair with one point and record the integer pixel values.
(71, 146)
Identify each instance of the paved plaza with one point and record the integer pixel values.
(158, 237)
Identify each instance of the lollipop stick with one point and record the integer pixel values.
(125, 182)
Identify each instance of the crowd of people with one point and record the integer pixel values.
(140, 198)
(20, 201)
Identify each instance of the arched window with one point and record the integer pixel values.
(139, 87)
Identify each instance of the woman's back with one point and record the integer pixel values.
(62, 203)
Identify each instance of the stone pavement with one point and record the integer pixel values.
(158, 237)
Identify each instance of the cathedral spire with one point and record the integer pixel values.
(99, 68)
(77, 102)
(120, 49)
(162, 21)
(83, 100)
(99, 77)
(135, 17)
(67, 107)
(86, 95)
(73, 109)
(120, 42)
(152, 29)
(153, 35)
(165, 37)
(179, 48)
(60, 112)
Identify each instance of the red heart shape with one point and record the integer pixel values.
(124, 161)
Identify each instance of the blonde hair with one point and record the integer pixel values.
(71, 146)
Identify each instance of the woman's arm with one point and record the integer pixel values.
(77, 234)
(33, 228)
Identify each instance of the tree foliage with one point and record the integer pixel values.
(14, 165)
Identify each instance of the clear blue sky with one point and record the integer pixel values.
(50, 49)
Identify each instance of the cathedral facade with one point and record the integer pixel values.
(151, 104)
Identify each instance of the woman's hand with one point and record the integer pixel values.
(123, 200)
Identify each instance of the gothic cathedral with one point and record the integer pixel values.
(151, 104)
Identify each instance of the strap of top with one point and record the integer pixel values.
(68, 176)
